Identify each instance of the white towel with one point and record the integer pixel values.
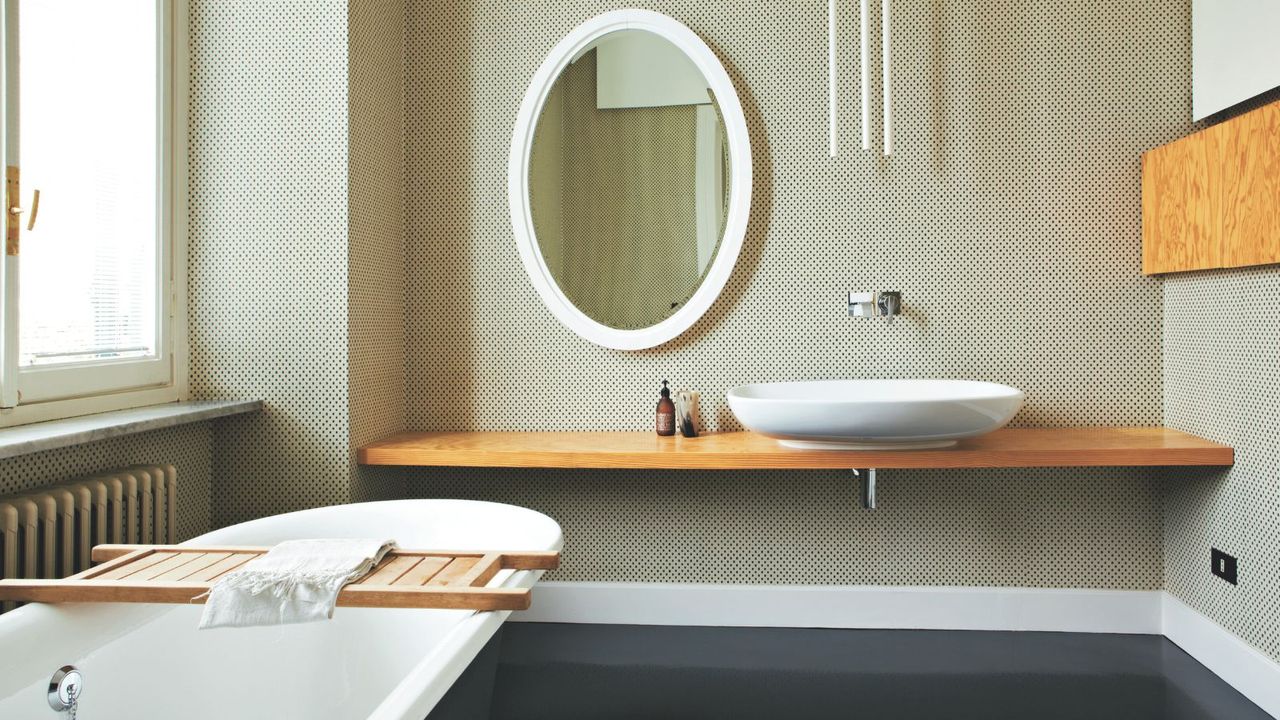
(296, 581)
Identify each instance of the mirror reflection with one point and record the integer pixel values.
(628, 179)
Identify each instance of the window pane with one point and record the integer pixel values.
(88, 143)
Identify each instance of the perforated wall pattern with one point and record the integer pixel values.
(1222, 381)
(931, 528)
(376, 247)
(189, 448)
(268, 257)
(1008, 217)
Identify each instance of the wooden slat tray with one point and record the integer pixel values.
(179, 574)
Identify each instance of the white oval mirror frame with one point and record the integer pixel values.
(739, 208)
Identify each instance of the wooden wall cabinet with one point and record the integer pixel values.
(1212, 199)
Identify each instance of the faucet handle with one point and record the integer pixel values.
(889, 303)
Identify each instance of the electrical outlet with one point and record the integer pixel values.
(1224, 565)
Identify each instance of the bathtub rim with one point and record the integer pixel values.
(422, 687)
(422, 684)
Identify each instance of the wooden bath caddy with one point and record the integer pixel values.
(178, 574)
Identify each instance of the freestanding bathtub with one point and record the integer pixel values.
(149, 661)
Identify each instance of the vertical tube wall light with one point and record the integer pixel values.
(865, 21)
(832, 84)
(887, 80)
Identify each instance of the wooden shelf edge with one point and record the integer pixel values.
(1006, 448)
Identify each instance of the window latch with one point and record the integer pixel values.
(12, 219)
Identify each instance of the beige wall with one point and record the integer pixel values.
(1222, 381)
(268, 247)
(375, 323)
(1221, 347)
(1009, 219)
(295, 267)
(294, 261)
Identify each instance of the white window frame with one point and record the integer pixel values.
(53, 393)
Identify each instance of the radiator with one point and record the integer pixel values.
(48, 533)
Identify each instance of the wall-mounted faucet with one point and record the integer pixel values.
(890, 304)
(886, 304)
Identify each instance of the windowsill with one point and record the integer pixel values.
(54, 434)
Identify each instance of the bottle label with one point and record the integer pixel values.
(666, 423)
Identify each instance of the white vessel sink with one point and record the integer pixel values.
(874, 414)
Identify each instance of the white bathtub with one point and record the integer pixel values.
(149, 661)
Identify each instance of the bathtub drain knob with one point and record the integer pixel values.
(64, 688)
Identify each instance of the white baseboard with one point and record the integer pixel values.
(867, 607)
(1149, 612)
(1253, 674)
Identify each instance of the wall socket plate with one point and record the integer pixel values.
(1224, 565)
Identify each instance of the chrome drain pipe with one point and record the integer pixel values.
(868, 477)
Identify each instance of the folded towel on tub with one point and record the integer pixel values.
(296, 581)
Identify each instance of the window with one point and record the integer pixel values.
(91, 302)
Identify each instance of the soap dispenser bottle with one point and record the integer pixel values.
(666, 412)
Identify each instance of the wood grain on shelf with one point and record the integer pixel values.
(1009, 447)
(1212, 199)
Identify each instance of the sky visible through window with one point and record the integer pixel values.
(88, 124)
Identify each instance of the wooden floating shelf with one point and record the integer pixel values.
(182, 573)
(1009, 447)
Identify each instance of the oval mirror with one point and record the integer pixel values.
(630, 179)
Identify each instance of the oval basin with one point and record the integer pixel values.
(874, 414)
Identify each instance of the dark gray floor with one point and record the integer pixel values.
(534, 671)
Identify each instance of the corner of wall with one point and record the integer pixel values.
(1222, 381)
(268, 248)
(1219, 379)
(376, 240)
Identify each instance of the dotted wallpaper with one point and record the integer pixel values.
(1009, 218)
(268, 258)
(376, 249)
(1222, 381)
(1031, 528)
(189, 448)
